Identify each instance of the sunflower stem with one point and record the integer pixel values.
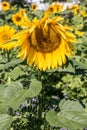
(40, 103)
(40, 109)
(8, 56)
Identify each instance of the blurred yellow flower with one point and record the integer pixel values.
(5, 5)
(13, 8)
(46, 44)
(6, 35)
(34, 6)
(75, 8)
(54, 8)
(79, 33)
(21, 19)
(22, 11)
(17, 18)
(83, 13)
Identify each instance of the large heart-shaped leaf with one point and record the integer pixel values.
(5, 121)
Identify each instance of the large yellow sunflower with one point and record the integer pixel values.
(5, 5)
(6, 35)
(46, 44)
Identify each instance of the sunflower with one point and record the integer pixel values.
(83, 13)
(54, 8)
(17, 19)
(22, 11)
(34, 6)
(6, 35)
(75, 8)
(46, 44)
(5, 5)
(21, 18)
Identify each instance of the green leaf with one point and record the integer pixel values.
(14, 94)
(38, 13)
(80, 67)
(35, 88)
(5, 121)
(68, 68)
(51, 117)
(71, 116)
(17, 72)
(18, 99)
(9, 91)
(3, 108)
(10, 64)
(65, 12)
(73, 120)
(77, 19)
(70, 105)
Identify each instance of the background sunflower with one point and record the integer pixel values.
(5, 5)
(6, 35)
(17, 18)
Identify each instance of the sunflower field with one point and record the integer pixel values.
(43, 66)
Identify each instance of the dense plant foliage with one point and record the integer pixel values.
(33, 99)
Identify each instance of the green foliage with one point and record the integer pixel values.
(5, 121)
(31, 99)
(13, 94)
(35, 88)
(9, 64)
(38, 13)
(71, 116)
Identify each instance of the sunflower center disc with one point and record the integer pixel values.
(5, 37)
(45, 40)
(18, 18)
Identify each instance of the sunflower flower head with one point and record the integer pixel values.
(34, 6)
(83, 13)
(17, 19)
(54, 8)
(21, 19)
(6, 35)
(5, 5)
(22, 11)
(46, 44)
(75, 8)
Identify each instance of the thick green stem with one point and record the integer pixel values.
(8, 57)
(40, 111)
